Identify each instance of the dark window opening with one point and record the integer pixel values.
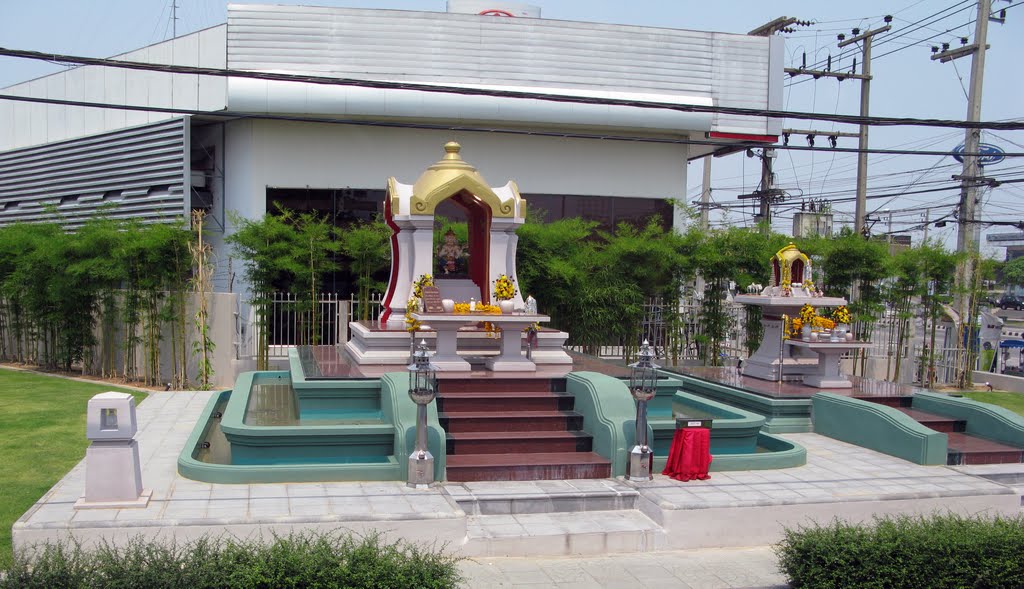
(342, 207)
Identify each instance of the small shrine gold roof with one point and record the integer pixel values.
(451, 175)
(790, 253)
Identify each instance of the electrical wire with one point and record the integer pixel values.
(380, 84)
(225, 114)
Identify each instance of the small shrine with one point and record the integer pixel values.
(441, 286)
(798, 343)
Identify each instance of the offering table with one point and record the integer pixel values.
(826, 374)
(510, 357)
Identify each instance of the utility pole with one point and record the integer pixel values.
(865, 100)
(705, 194)
(765, 192)
(174, 19)
(968, 232)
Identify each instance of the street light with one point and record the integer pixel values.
(643, 378)
(422, 390)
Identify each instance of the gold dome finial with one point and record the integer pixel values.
(451, 151)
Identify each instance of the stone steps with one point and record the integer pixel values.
(533, 466)
(525, 497)
(563, 534)
(509, 429)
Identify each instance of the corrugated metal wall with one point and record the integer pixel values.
(139, 173)
(734, 70)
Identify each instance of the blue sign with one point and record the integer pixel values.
(990, 154)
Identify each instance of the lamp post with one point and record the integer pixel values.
(643, 378)
(422, 390)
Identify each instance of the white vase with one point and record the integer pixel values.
(448, 305)
(506, 306)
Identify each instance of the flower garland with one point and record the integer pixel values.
(823, 323)
(463, 308)
(504, 288)
(412, 306)
(794, 328)
(841, 315)
(423, 280)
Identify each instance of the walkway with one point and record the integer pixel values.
(657, 533)
(698, 569)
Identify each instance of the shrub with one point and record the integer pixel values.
(927, 552)
(298, 560)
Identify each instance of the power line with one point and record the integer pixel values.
(380, 84)
(225, 114)
(892, 37)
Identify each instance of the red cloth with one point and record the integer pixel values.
(690, 454)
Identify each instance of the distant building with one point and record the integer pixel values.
(812, 224)
(1013, 242)
(248, 144)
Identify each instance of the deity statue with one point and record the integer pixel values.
(450, 254)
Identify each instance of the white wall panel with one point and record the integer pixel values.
(140, 171)
(444, 48)
(284, 154)
(90, 83)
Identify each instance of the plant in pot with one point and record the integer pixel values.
(504, 292)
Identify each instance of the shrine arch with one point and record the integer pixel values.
(493, 214)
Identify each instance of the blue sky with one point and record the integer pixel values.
(907, 83)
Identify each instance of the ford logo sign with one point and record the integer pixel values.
(990, 154)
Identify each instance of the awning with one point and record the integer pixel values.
(1012, 343)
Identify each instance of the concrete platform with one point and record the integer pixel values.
(544, 518)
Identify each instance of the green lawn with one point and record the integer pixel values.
(1012, 401)
(42, 435)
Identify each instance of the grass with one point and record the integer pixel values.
(1012, 401)
(42, 419)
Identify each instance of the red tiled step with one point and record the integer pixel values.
(518, 421)
(493, 385)
(518, 442)
(527, 467)
(939, 423)
(967, 449)
(898, 402)
(518, 401)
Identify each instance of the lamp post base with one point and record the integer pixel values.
(421, 469)
(638, 468)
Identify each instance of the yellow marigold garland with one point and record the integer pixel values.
(412, 306)
(423, 280)
(463, 308)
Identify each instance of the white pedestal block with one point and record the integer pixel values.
(113, 476)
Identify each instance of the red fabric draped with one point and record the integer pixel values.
(690, 454)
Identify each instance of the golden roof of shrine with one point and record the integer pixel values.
(790, 254)
(452, 175)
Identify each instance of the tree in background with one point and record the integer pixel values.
(368, 249)
(734, 254)
(1013, 272)
(265, 245)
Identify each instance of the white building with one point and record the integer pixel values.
(236, 144)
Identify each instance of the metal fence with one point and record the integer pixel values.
(291, 322)
(672, 327)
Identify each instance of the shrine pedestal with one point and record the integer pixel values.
(510, 356)
(773, 360)
(826, 374)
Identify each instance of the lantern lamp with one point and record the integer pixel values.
(422, 390)
(643, 380)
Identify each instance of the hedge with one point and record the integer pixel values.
(299, 560)
(932, 552)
